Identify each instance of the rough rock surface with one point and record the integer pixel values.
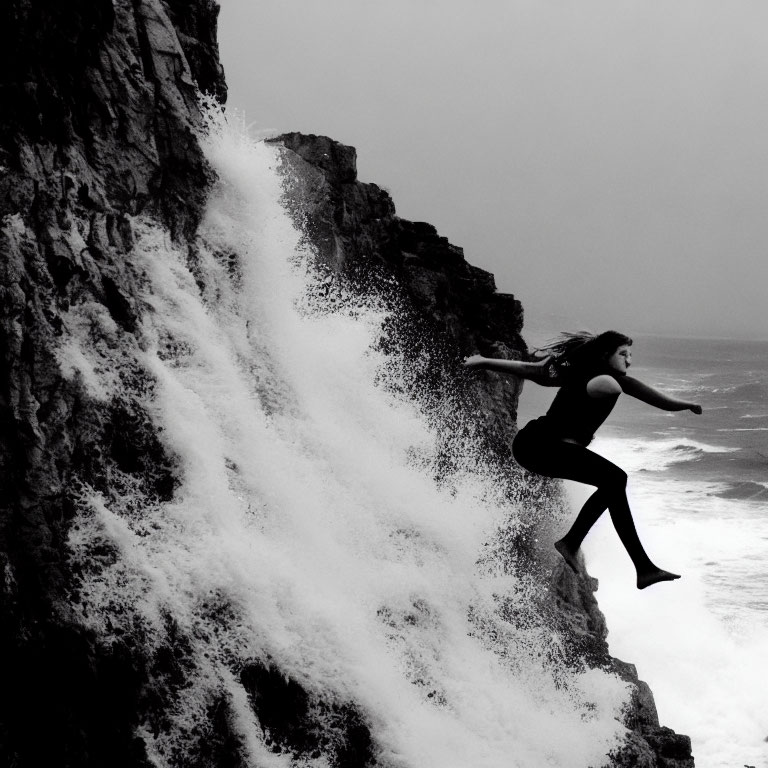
(455, 307)
(99, 119)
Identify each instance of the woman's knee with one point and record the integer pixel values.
(615, 478)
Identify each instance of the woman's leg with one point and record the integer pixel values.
(590, 513)
(557, 458)
(582, 465)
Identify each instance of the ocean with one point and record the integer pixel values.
(699, 491)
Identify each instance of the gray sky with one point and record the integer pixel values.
(607, 160)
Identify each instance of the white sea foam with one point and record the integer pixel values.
(655, 455)
(744, 429)
(303, 534)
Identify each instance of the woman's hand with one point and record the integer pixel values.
(474, 361)
(695, 408)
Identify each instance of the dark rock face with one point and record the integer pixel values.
(303, 726)
(98, 124)
(195, 25)
(456, 311)
(100, 108)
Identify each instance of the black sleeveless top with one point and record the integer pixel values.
(576, 415)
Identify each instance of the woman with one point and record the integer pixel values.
(591, 372)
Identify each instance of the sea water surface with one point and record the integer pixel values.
(699, 491)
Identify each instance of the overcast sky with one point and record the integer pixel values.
(607, 160)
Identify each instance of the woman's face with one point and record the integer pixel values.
(621, 359)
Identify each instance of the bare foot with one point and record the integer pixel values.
(652, 577)
(569, 555)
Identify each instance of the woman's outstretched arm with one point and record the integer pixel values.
(653, 397)
(538, 371)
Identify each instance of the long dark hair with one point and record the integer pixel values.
(581, 354)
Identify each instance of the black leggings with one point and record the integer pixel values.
(538, 450)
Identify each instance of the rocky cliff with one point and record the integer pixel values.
(99, 126)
